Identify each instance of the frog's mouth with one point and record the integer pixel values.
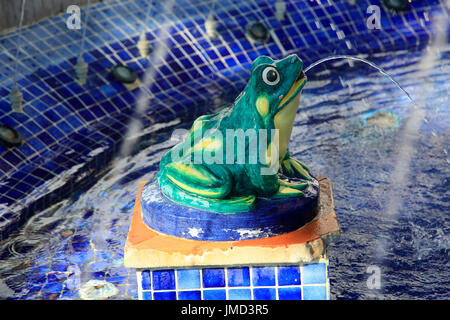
(294, 90)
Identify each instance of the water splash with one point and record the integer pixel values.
(143, 44)
(15, 96)
(81, 67)
(135, 125)
(400, 178)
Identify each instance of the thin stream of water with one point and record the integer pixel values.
(373, 65)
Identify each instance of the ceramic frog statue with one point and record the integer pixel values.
(261, 118)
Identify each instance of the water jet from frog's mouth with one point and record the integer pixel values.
(373, 65)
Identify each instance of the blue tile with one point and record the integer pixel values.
(188, 278)
(147, 295)
(163, 280)
(165, 295)
(52, 287)
(239, 294)
(314, 273)
(214, 294)
(189, 295)
(290, 293)
(288, 276)
(238, 277)
(314, 292)
(213, 278)
(146, 280)
(264, 294)
(263, 276)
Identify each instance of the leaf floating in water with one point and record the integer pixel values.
(97, 290)
(382, 120)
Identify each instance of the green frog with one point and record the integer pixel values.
(232, 157)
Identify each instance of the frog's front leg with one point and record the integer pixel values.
(289, 188)
(292, 167)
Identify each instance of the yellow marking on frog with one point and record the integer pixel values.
(287, 190)
(194, 190)
(236, 200)
(300, 169)
(200, 175)
(207, 144)
(291, 91)
(271, 155)
(293, 184)
(262, 105)
(287, 165)
(302, 164)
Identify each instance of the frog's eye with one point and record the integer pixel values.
(270, 76)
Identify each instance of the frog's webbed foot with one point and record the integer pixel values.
(292, 167)
(203, 187)
(290, 188)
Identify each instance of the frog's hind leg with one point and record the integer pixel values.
(199, 180)
(292, 167)
(203, 187)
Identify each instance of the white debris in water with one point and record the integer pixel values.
(68, 152)
(194, 232)
(97, 151)
(97, 290)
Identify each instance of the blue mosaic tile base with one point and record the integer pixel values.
(271, 282)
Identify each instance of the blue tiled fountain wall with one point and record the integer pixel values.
(73, 131)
